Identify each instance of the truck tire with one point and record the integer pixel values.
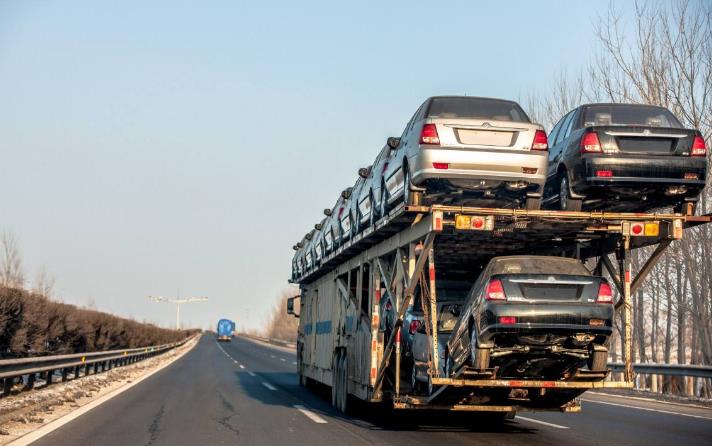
(343, 394)
(335, 381)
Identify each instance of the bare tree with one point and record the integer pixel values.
(11, 272)
(44, 283)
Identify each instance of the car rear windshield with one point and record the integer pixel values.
(476, 108)
(539, 265)
(630, 115)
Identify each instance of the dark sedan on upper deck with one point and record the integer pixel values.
(624, 157)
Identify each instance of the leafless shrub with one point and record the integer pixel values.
(282, 325)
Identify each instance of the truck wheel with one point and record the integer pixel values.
(335, 382)
(343, 386)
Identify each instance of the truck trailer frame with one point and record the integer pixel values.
(341, 342)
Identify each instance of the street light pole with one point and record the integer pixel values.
(178, 302)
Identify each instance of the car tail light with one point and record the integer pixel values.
(698, 147)
(604, 173)
(540, 141)
(441, 166)
(605, 295)
(507, 320)
(414, 326)
(429, 135)
(590, 143)
(495, 291)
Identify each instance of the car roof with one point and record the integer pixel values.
(593, 104)
(472, 97)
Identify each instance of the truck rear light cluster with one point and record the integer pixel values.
(605, 295)
(698, 147)
(475, 222)
(429, 135)
(645, 229)
(540, 141)
(590, 143)
(495, 290)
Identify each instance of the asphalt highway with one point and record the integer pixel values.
(246, 392)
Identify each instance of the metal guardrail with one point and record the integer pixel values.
(696, 371)
(45, 367)
(275, 341)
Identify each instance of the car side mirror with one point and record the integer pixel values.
(327, 212)
(393, 142)
(290, 306)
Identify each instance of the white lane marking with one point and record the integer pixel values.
(272, 356)
(282, 359)
(59, 422)
(640, 398)
(667, 412)
(250, 373)
(268, 385)
(294, 362)
(532, 420)
(309, 414)
(235, 362)
(242, 366)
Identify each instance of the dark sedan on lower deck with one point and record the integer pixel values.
(624, 157)
(533, 317)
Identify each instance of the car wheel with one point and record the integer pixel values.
(355, 225)
(410, 197)
(566, 202)
(533, 204)
(479, 356)
(448, 365)
(681, 208)
(383, 211)
(414, 384)
(372, 213)
(598, 361)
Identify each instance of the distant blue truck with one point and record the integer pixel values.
(225, 329)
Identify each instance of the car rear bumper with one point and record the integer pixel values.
(643, 173)
(478, 164)
(565, 319)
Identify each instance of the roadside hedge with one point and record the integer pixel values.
(31, 324)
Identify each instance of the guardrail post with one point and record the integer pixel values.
(87, 368)
(7, 386)
(65, 373)
(76, 371)
(30, 382)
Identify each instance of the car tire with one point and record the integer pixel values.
(355, 224)
(410, 197)
(372, 214)
(383, 206)
(681, 208)
(598, 361)
(414, 383)
(566, 202)
(480, 356)
(533, 204)
(448, 365)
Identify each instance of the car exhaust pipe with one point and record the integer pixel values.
(516, 185)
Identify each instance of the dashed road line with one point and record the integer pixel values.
(242, 366)
(532, 420)
(294, 362)
(250, 373)
(268, 385)
(667, 412)
(282, 359)
(309, 414)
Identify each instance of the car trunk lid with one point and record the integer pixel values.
(549, 288)
(484, 134)
(645, 140)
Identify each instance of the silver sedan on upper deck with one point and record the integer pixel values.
(467, 150)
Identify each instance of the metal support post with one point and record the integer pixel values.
(624, 269)
(435, 372)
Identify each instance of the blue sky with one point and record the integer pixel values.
(151, 147)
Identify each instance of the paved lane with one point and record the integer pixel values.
(246, 392)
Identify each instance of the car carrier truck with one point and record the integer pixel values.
(225, 330)
(341, 342)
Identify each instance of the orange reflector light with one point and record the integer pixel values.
(691, 176)
(596, 322)
(652, 229)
